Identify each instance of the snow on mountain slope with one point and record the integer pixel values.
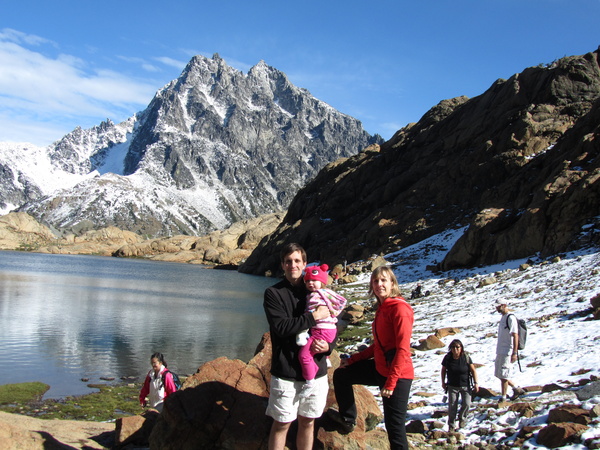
(31, 166)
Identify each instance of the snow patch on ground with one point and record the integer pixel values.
(553, 296)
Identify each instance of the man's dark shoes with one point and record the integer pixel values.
(343, 426)
(518, 392)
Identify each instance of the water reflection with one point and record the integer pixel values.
(63, 318)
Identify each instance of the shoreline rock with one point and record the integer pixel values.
(19, 432)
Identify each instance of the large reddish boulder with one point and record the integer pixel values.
(560, 434)
(569, 413)
(135, 429)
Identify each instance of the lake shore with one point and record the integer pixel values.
(110, 402)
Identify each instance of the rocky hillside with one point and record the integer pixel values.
(214, 146)
(519, 164)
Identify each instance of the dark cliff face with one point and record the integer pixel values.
(518, 164)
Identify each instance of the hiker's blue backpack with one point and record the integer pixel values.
(176, 379)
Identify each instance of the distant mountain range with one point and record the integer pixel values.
(214, 146)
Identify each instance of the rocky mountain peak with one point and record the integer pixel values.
(213, 147)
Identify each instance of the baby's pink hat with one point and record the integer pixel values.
(318, 273)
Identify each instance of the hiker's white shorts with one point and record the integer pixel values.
(503, 368)
(285, 404)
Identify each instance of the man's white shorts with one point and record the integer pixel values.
(285, 404)
(503, 367)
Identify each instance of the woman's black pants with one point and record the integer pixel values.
(394, 407)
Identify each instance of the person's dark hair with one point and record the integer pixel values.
(387, 271)
(288, 249)
(457, 342)
(160, 357)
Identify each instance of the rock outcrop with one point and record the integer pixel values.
(224, 249)
(227, 247)
(518, 164)
(20, 231)
(19, 432)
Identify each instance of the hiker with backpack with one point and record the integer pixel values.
(459, 379)
(507, 350)
(158, 385)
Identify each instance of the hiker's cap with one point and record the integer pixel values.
(502, 301)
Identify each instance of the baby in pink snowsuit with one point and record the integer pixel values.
(315, 279)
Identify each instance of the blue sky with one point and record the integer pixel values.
(65, 64)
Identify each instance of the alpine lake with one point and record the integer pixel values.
(88, 325)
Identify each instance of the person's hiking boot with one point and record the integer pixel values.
(517, 392)
(451, 427)
(343, 426)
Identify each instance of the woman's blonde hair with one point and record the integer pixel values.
(388, 272)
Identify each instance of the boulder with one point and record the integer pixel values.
(487, 282)
(448, 331)
(430, 343)
(551, 387)
(560, 434)
(376, 262)
(595, 301)
(348, 279)
(484, 392)
(527, 431)
(223, 405)
(19, 432)
(135, 430)
(353, 314)
(14, 438)
(416, 427)
(569, 413)
(523, 409)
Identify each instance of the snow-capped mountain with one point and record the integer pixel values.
(214, 146)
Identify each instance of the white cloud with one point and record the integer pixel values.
(10, 35)
(171, 62)
(42, 88)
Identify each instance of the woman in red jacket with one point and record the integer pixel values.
(386, 363)
(158, 384)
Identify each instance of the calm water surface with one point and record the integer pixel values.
(64, 318)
